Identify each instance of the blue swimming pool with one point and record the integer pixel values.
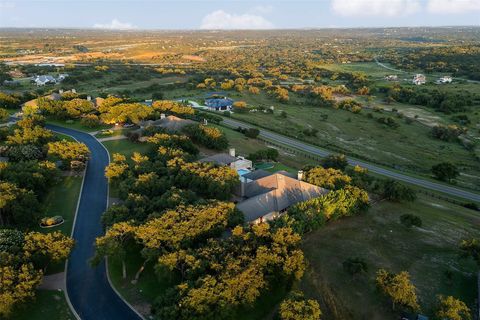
(241, 172)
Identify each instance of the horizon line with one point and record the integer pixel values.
(216, 30)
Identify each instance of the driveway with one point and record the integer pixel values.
(88, 288)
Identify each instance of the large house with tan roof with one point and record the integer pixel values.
(268, 197)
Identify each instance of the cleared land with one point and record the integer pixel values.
(383, 242)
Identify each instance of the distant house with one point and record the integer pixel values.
(148, 102)
(230, 160)
(392, 77)
(62, 77)
(268, 197)
(48, 79)
(445, 80)
(170, 123)
(43, 80)
(419, 79)
(98, 101)
(219, 103)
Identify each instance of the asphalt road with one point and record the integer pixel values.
(88, 288)
(274, 137)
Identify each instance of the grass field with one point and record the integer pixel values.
(126, 147)
(62, 200)
(48, 304)
(76, 125)
(408, 147)
(379, 238)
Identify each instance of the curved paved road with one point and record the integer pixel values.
(88, 288)
(274, 137)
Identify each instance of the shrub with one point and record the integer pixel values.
(445, 171)
(388, 121)
(90, 120)
(51, 221)
(252, 133)
(472, 206)
(409, 220)
(395, 191)
(355, 266)
(265, 154)
(338, 161)
(207, 136)
(133, 136)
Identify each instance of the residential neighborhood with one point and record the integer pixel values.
(240, 160)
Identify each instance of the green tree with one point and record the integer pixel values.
(4, 114)
(333, 161)
(445, 171)
(8, 101)
(69, 151)
(355, 266)
(327, 178)
(117, 169)
(398, 288)
(471, 248)
(113, 244)
(18, 207)
(395, 191)
(450, 308)
(45, 248)
(296, 307)
(17, 285)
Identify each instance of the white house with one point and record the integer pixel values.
(419, 79)
(444, 80)
(229, 160)
(62, 77)
(43, 80)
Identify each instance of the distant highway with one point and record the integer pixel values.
(275, 137)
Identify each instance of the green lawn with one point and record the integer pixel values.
(116, 132)
(77, 125)
(62, 200)
(407, 148)
(378, 237)
(126, 147)
(48, 304)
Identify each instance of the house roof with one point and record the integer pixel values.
(170, 123)
(256, 174)
(275, 193)
(55, 96)
(223, 159)
(216, 103)
(46, 78)
(98, 101)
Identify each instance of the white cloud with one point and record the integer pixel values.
(223, 20)
(115, 25)
(387, 8)
(453, 6)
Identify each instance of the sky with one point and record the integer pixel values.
(236, 14)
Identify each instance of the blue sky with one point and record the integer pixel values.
(232, 14)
